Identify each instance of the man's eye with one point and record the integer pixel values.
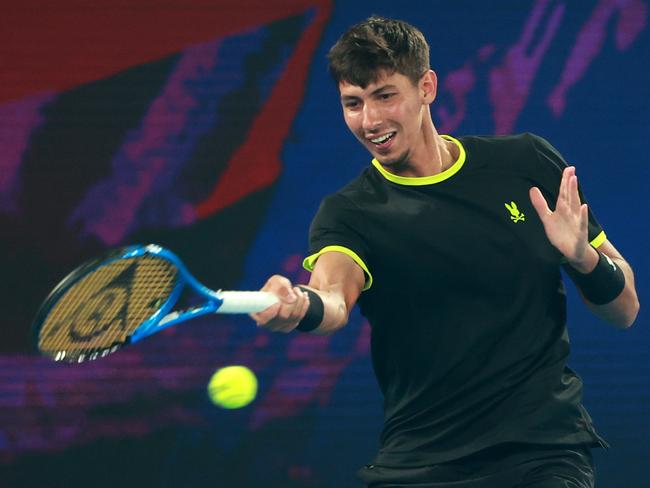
(351, 104)
(386, 96)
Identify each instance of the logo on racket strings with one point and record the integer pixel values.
(103, 309)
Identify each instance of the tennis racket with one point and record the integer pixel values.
(123, 297)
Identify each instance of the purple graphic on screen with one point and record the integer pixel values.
(47, 406)
(313, 365)
(153, 155)
(458, 83)
(632, 19)
(511, 81)
(18, 120)
(310, 376)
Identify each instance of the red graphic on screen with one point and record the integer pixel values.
(47, 46)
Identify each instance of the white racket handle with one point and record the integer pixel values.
(245, 301)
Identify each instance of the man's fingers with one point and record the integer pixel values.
(280, 286)
(291, 312)
(267, 314)
(584, 218)
(285, 315)
(565, 194)
(539, 203)
(286, 294)
(562, 192)
(574, 196)
(567, 174)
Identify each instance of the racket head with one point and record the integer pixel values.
(98, 307)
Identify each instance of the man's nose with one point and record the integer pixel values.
(371, 119)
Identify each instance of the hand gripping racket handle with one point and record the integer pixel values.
(245, 301)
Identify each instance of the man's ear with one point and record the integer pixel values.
(428, 86)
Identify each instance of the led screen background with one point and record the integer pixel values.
(213, 128)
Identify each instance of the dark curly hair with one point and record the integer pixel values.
(378, 44)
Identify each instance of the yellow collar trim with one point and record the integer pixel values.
(426, 180)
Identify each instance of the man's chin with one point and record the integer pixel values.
(394, 164)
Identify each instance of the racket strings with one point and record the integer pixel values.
(102, 310)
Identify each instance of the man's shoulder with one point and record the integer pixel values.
(523, 141)
(349, 203)
(516, 152)
(356, 188)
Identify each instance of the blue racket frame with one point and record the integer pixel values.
(163, 318)
(163, 315)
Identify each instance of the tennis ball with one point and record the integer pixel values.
(232, 387)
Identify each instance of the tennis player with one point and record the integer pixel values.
(452, 247)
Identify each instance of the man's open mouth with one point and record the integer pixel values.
(378, 141)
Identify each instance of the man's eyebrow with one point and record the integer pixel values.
(374, 92)
(383, 88)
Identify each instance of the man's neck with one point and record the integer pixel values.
(432, 156)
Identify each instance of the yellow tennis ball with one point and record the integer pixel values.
(232, 387)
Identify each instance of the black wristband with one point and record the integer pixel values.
(603, 284)
(315, 312)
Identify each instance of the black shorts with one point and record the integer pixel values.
(503, 466)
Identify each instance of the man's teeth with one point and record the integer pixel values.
(383, 138)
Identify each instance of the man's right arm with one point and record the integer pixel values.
(338, 281)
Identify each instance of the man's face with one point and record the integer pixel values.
(386, 117)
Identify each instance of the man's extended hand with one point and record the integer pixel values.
(285, 315)
(566, 227)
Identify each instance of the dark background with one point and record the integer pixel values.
(213, 128)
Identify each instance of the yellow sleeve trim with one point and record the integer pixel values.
(599, 239)
(310, 261)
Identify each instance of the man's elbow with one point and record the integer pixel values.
(624, 317)
(621, 313)
(329, 329)
(631, 314)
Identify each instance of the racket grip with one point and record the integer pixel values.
(245, 301)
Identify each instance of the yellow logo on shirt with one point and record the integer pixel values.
(515, 214)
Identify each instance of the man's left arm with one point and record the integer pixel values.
(604, 278)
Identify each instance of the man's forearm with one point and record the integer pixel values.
(621, 311)
(335, 312)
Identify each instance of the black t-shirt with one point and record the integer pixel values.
(465, 299)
